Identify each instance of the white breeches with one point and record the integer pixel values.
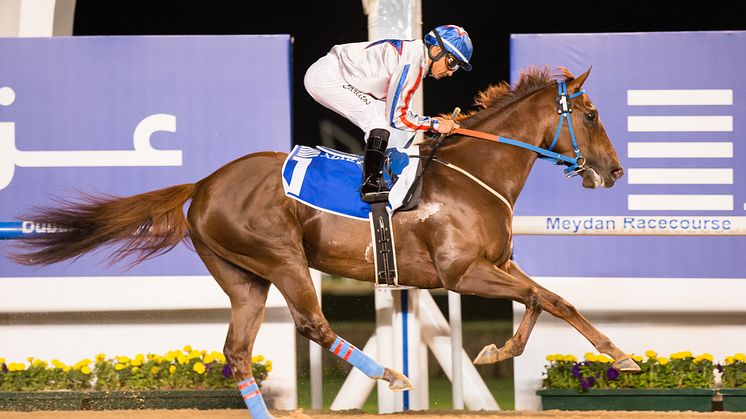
(324, 82)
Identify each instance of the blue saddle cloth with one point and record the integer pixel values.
(329, 180)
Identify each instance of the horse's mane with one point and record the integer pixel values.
(501, 95)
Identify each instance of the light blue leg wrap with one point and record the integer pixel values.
(253, 399)
(357, 358)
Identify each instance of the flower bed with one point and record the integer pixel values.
(185, 378)
(679, 370)
(680, 381)
(734, 383)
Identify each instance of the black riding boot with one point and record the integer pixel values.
(374, 188)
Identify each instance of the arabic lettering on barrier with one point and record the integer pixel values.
(143, 153)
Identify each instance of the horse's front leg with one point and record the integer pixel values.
(508, 281)
(558, 307)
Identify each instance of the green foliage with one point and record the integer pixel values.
(680, 370)
(734, 371)
(179, 369)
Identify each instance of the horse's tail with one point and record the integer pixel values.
(140, 226)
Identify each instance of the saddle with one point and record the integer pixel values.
(329, 180)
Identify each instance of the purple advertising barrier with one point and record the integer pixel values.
(126, 115)
(670, 103)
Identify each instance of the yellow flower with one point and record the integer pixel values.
(704, 356)
(182, 359)
(152, 357)
(590, 357)
(269, 368)
(219, 356)
(136, 362)
(604, 359)
(40, 363)
(663, 360)
(729, 360)
(135, 369)
(154, 370)
(2, 360)
(123, 359)
(199, 368)
(681, 355)
(58, 364)
(209, 359)
(195, 354)
(30, 359)
(66, 368)
(16, 366)
(740, 357)
(119, 366)
(566, 358)
(86, 370)
(82, 363)
(551, 358)
(172, 369)
(258, 358)
(636, 358)
(651, 354)
(100, 358)
(187, 348)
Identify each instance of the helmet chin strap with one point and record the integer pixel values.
(433, 59)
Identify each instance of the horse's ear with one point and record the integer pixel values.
(576, 84)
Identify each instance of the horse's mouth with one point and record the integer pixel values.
(592, 180)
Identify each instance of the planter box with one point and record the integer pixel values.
(699, 400)
(104, 400)
(734, 399)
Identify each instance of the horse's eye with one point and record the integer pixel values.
(590, 116)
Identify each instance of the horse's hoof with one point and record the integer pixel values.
(627, 365)
(397, 381)
(488, 355)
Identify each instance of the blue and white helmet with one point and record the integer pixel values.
(455, 40)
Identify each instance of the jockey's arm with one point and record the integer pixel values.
(402, 87)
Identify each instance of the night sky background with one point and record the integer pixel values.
(318, 25)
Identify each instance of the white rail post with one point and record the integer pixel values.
(314, 356)
(457, 374)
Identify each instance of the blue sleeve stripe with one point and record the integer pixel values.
(395, 100)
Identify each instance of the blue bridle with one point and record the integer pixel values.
(575, 165)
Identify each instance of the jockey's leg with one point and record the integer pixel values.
(374, 187)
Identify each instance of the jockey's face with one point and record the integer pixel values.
(440, 67)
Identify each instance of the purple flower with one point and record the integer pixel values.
(585, 384)
(591, 380)
(227, 373)
(720, 367)
(576, 371)
(5, 368)
(612, 373)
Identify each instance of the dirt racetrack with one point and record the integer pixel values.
(241, 414)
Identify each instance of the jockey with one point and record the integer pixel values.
(372, 84)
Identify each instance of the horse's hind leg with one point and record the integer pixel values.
(248, 295)
(297, 287)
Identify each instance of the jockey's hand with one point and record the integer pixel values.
(445, 126)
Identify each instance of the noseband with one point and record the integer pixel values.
(575, 165)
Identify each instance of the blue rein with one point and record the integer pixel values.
(564, 109)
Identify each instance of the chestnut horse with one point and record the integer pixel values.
(250, 235)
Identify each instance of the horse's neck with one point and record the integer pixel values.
(503, 167)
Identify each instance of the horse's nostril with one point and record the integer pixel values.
(617, 173)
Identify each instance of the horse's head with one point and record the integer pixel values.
(599, 164)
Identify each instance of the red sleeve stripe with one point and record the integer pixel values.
(405, 108)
